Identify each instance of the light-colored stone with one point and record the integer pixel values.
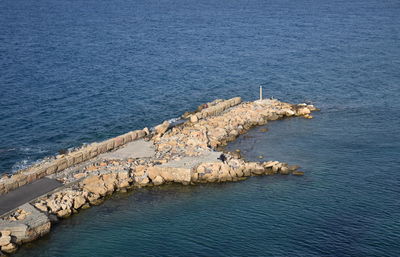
(95, 185)
(158, 180)
(5, 233)
(144, 181)
(162, 128)
(284, 170)
(64, 213)
(303, 111)
(79, 201)
(9, 248)
(5, 240)
(193, 118)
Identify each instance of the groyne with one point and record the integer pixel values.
(187, 154)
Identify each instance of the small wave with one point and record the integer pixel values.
(32, 150)
(21, 165)
(3, 150)
(174, 120)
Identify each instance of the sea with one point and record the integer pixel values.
(74, 72)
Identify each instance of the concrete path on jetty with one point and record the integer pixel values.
(135, 149)
(27, 193)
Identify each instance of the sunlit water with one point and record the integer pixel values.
(73, 72)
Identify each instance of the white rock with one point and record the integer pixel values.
(5, 240)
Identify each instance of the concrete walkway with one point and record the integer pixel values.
(135, 149)
(26, 193)
(191, 162)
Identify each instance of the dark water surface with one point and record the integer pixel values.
(73, 72)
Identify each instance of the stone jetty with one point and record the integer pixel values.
(188, 153)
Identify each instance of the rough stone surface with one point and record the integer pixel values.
(9, 248)
(35, 224)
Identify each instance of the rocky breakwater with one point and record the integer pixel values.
(93, 189)
(209, 129)
(186, 154)
(56, 164)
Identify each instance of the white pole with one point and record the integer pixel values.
(261, 96)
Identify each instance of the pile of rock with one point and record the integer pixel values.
(19, 214)
(208, 132)
(92, 189)
(63, 203)
(6, 244)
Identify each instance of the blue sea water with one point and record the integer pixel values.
(74, 72)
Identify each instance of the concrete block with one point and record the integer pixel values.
(140, 134)
(78, 158)
(85, 153)
(22, 181)
(110, 144)
(134, 135)
(127, 138)
(62, 164)
(51, 168)
(70, 160)
(119, 141)
(93, 150)
(31, 176)
(102, 148)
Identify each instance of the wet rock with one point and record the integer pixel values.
(144, 181)
(9, 248)
(303, 111)
(284, 171)
(298, 173)
(158, 180)
(293, 167)
(92, 198)
(79, 201)
(64, 213)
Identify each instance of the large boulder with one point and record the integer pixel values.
(79, 201)
(95, 185)
(158, 180)
(110, 181)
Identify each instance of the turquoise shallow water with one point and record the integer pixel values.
(73, 72)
